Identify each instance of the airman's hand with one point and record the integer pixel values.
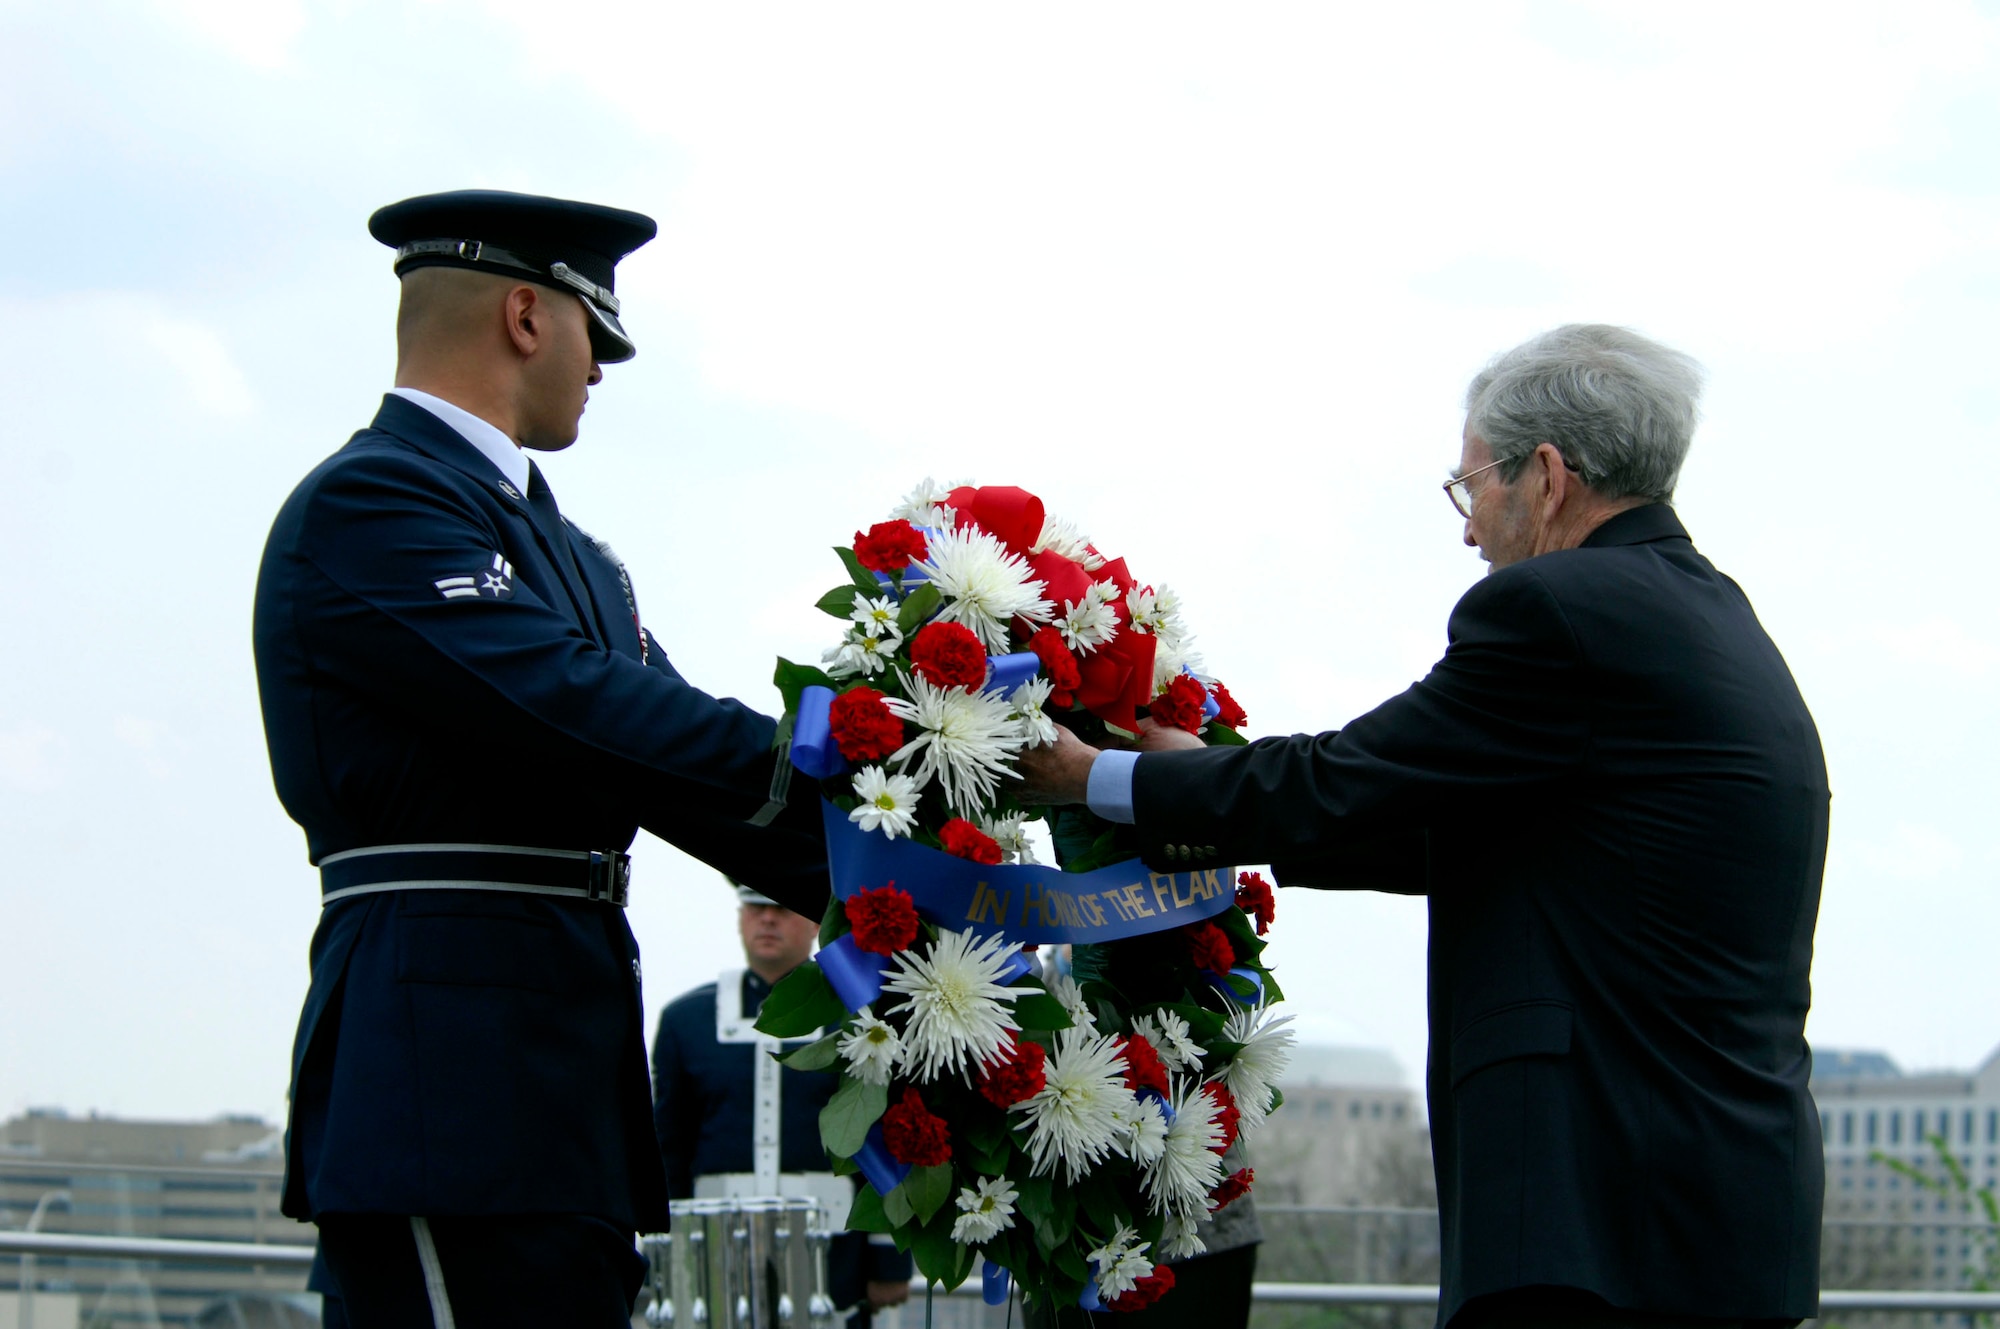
(1058, 773)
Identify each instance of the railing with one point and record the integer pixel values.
(65, 1245)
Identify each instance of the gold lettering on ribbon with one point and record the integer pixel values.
(988, 903)
(1163, 889)
(1135, 900)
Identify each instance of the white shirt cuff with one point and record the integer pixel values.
(1109, 792)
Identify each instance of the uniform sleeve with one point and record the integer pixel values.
(381, 531)
(674, 1107)
(1499, 715)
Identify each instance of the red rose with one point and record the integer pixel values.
(1231, 715)
(1253, 897)
(1181, 705)
(863, 727)
(889, 547)
(1209, 948)
(914, 1134)
(884, 919)
(1145, 1291)
(1143, 1067)
(1018, 1076)
(962, 839)
(948, 655)
(1059, 665)
(1227, 1115)
(1234, 1187)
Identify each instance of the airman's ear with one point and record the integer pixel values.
(522, 312)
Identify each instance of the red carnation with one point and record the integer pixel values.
(1143, 1067)
(961, 839)
(863, 727)
(914, 1134)
(1227, 1115)
(1209, 948)
(1181, 705)
(1231, 715)
(884, 919)
(1253, 897)
(889, 547)
(1018, 1076)
(1234, 1187)
(948, 655)
(1057, 662)
(1145, 1291)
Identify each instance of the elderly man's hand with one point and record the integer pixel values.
(1058, 773)
(882, 1294)
(1165, 738)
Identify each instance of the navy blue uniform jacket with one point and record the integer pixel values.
(470, 1052)
(1614, 796)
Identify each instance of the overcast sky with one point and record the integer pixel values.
(1209, 279)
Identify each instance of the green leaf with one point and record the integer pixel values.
(1204, 1025)
(792, 679)
(833, 923)
(814, 1056)
(842, 1167)
(938, 1255)
(1273, 994)
(839, 601)
(990, 1160)
(783, 734)
(917, 608)
(896, 1204)
(1222, 736)
(801, 1004)
(854, 1107)
(866, 1215)
(862, 576)
(1041, 1011)
(927, 1188)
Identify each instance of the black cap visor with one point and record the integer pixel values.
(608, 338)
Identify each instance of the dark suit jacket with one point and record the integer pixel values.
(1614, 796)
(467, 1052)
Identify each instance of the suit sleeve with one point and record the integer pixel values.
(1499, 715)
(674, 1103)
(379, 530)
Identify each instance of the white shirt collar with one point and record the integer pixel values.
(493, 445)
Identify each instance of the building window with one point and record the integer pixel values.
(1354, 1109)
(1944, 1123)
(1872, 1122)
(1965, 1127)
(1993, 1125)
(1847, 1128)
(1375, 1111)
(1895, 1128)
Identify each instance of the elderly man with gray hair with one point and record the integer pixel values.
(1614, 797)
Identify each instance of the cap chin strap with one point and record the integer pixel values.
(616, 343)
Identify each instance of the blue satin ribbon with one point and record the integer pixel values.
(993, 1281)
(1088, 1298)
(1215, 980)
(1166, 1104)
(1028, 903)
(856, 975)
(877, 1164)
(1005, 673)
(813, 750)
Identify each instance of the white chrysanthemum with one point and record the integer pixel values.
(1181, 1239)
(1011, 834)
(924, 506)
(1169, 1035)
(1067, 991)
(1060, 536)
(1188, 1168)
(968, 737)
(877, 613)
(1087, 624)
(1259, 1064)
(983, 585)
(1120, 1264)
(984, 1212)
(871, 1048)
(1107, 591)
(888, 802)
(1037, 729)
(865, 650)
(1145, 1130)
(1073, 1120)
(1174, 657)
(1156, 610)
(960, 1009)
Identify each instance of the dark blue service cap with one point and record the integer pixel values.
(553, 242)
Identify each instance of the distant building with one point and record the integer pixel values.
(1884, 1229)
(193, 1180)
(1350, 1133)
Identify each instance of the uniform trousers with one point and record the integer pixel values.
(393, 1272)
(1568, 1308)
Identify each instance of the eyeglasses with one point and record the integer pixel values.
(1460, 493)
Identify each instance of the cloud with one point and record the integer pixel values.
(1914, 852)
(134, 337)
(260, 33)
(32, 758)
(1941, 643)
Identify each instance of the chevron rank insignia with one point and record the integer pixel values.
(492, 583)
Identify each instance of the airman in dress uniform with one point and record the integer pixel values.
(468, 720)
(732, 1122)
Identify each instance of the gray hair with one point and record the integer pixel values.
(1620, 408)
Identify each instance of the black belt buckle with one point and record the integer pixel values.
(610, 876)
